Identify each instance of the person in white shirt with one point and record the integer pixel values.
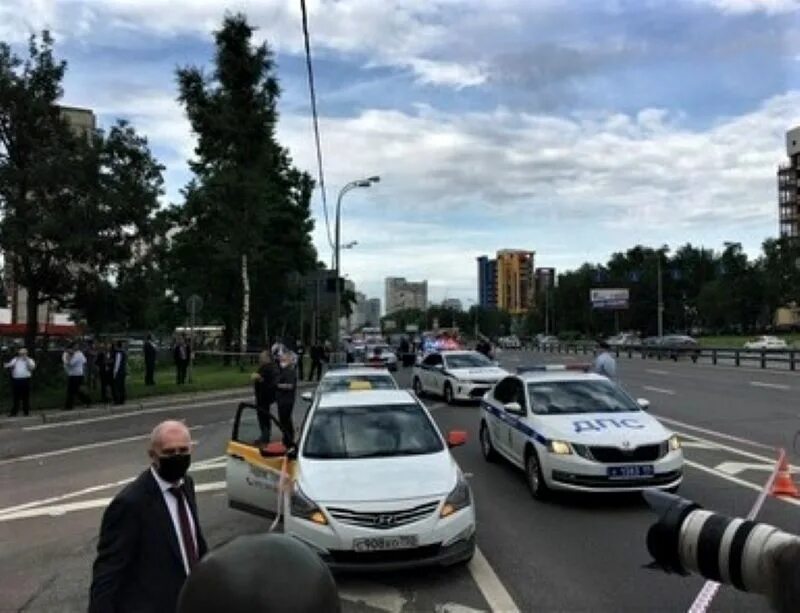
(21, 368)
(75, 367)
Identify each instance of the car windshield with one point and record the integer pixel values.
(467, 360)
(371, 432)
(342, 384)
(569, 397)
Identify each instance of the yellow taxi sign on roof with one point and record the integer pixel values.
(360, 386)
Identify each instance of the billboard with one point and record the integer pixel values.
(611, 299)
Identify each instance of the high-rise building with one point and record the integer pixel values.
(452, 303)
(515, 283)
(402, 294)
(487, 282)
(789, 187)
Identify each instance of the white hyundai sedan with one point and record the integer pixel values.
(456, 375)
(372, 484)
(574, 430)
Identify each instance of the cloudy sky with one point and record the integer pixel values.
(572, 128)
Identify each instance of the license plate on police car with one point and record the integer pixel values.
(630, 472)
(385, 543)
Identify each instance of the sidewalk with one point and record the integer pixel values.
(52, 416)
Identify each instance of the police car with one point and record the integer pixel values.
(372, 483)
(456, 375)
(352, 377)
(573, 430)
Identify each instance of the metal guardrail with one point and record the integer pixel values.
(737, 355)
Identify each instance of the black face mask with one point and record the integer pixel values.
(173, 468)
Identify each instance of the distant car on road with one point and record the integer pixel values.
(766, 342)
(578, 431)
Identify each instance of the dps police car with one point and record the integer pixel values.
(572, 430)
(372, 482)
(456, 375)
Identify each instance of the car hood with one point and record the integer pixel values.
(378, 479)
(607, 429)
(487, 373)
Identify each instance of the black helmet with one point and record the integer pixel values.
(263, 573)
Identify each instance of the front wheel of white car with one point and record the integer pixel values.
(534, 477)
(488, 450)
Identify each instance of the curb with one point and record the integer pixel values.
(57, 416)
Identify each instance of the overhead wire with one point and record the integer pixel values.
(315, 121)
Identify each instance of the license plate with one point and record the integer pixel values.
(630, 472)
(384, 543)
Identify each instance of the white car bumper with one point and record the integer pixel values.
(573, 472)
(471, 390)
(439, 541)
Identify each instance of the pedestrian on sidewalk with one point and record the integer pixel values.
(149, 361)
(284, 397)
(104, 365)
(119, 373)
(265, 382)
(605, 364)
(21, 368)
(150, 536)
(75, 366)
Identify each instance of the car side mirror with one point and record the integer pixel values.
(643, 403)
(275, 449)
(513, 407)
(456, 438)
(307, 396)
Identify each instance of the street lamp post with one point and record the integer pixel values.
(337, 248)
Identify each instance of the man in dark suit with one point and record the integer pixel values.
(149, 361)
(150, 538)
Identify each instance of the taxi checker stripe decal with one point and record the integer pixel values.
(515, 423)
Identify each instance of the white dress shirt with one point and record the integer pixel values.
(74, 365)
(172, 507)
(21, 368)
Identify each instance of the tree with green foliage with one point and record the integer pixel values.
(244, 229)
(74, 205)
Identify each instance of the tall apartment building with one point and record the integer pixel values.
(487, 282)
(515, 283)
(789, 187)
(402, 294)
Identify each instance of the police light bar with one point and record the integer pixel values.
(553, 368)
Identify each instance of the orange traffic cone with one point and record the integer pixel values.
(784, 486)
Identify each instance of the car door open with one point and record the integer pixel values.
(253, 469)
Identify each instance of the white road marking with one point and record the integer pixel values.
(163, 409)
(737, 481)
(654, 371)
(734, 468)
(659, 390)
(83, 505)
(490, 586)
(728, 437)
(773, 386)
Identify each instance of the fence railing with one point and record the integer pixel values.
(738, 356)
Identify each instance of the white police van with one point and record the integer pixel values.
(569, 429)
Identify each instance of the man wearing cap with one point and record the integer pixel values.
(150, 537)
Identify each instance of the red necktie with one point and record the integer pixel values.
(186, 528)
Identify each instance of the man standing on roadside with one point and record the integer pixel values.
(149, 361)
(22, 368)
(75, 367)
(604, 363)
(150, 537)
(118, 373)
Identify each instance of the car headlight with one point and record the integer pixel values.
(458, 499)
(303, 507)
(674, 442)
(559, 448)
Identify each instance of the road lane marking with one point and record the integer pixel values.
(659, 390)
(96, 503)
(654, 371)
(728, 437)
(77, 448)
(495, 593)
(165, 409)
(737, 481)
(773, 386)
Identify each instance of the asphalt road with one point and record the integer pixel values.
(575, 553)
